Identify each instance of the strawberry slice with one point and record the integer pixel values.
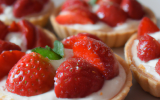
(69, 42)
(13, 27)
(42, 39)
(115, 1)
(4, 45)
(148, 48)
(7, 2)
(76, 78)
(26, 7)
(111, 13)
(69, 3)
(7, 60)
(146, 26)
(98, 54)
(76, 15)
(4, 30)
(28, 30)
(133, 8)
(32, 75)
(157, 68)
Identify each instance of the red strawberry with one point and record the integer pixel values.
(157, 68)
(146, 26)
(4, 45)
(76, 78)
(133, 8)
(98, 54)
(32, 75)
(1, 9)
(4, 30)
(28, 30)
(115, 1)
(148, 48)
(42, 39)
(69, 42)
(26, 7)
(111, 14)
(69, 3)
(7, 60)
(7, 2)
(76, 15)
(13, 27)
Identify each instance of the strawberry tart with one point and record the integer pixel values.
(113, 21)
(35, 11)
(67, 72)
(142, 54)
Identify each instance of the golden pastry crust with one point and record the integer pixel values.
(146, 81)
(40, 19)
(112, 39)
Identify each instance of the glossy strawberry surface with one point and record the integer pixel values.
(76, 78)
(133, 8)
(111, 14)
(146, 26)
(32, 75)
(148, 48)
(7, 60)
(98, 54)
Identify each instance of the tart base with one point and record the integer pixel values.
(146, 81)
(112, 39)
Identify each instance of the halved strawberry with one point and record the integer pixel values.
(69, 42)
(111, 13)
(26, 7)
(13, 27)
(32, 75)
(76, 78)
(4, 45)
(133, 8)
(7, 2)
(148, 48)
(7, 60)
(69, 3)
(4, 30)
(157, 67)
(115, 1)
(146, 26)
(76, 15)
(98, 54)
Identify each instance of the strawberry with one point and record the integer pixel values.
(133, 8)
(7, 60)
(28, 30)
(42, 39)
(4, 45)
(76, 78)
(115, 1)
(26, 7)
(111, 13)
(157, 68)
(98, 54)
(13, 27)
(146, 26)
(69, 42)
(4, 30)
(32, 75)
(76, 15)
(1, 9)
(69, 3)
(148, 48)
(7, 2)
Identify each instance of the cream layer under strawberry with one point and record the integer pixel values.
(108, 91)
(7, 15)
(150, 65)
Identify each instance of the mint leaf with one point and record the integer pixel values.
(92, 2)
(47, 52)
(58, 48)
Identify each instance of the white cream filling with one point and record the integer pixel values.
(150, 65)
(7, 15)
(108, 91)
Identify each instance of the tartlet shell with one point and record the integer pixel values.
(112, 39)
(146, 81)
